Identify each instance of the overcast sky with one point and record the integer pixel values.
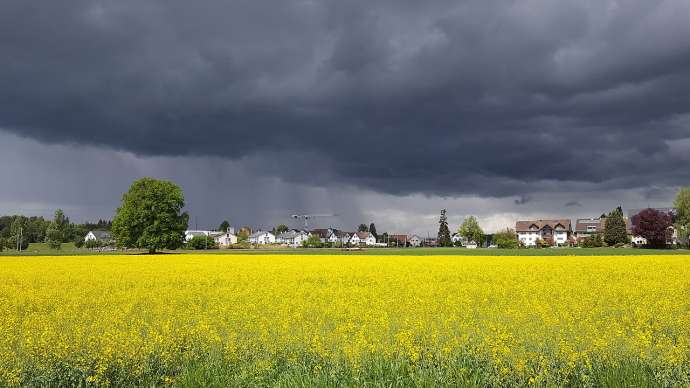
(384, 111)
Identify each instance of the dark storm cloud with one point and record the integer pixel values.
(477, 97)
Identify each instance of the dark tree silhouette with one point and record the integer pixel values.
(653, 225)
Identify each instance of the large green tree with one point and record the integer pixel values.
(682, 205)
(223, 227)
(471, 231)
(443, 231)
(362, 228)
(62, 224)
(150, 216)
(614, 229)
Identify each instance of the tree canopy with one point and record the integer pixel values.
(54, 236)
(614, 228)
(150, 216)
(282, 228)
(362, 228)
(506, 239)
(223, 227)
(653, 226)
(471, 231)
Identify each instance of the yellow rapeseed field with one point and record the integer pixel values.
(234, 320)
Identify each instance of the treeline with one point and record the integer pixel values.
(22, 230)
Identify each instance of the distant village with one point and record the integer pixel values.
(667, 227)
(527, 233)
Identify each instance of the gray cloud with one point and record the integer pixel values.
(573, 204)
(523, 200)
(87, 183)
(439, 97)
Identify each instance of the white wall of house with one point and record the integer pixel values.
(560, 237)
(292, 240)
(90, 236)
(528, 239)
(225, 239)
(262, 238)
(370, 240)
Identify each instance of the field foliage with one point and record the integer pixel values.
(215, 320)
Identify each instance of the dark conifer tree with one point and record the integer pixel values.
(443, 231)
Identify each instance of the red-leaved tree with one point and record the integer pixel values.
(653, 226)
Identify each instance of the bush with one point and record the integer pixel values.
(545, 243)
(54, 244)
(506, 239)
(92, 244)
(593, 241)
(79, 242)
(202, 242)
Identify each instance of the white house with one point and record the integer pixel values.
(339, 236)
(363, 238)
(98, 235)
(638, 240)
(225, 239)
(323, 234)
(456, 237)
(262, 237)
(293, 238)
(415, 241)
(529, 232)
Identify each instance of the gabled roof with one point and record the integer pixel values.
(525, 226)
(398, 237)
(259, 233)
(291, 234)
(363, 235)
(341, 233)
(582, 224)
(101, 234)
(322, 233)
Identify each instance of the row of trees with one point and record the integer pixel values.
(20, 231)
